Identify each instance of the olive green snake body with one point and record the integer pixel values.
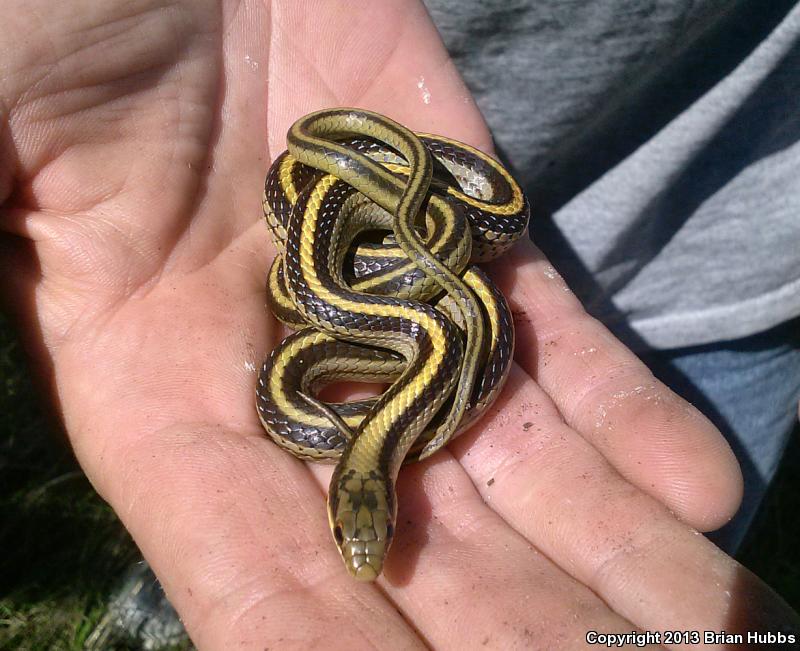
(409, 308)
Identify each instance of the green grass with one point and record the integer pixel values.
(62, 546)
(63, 549)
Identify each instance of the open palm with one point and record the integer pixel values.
(135, 139)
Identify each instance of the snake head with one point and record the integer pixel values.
(361, 512)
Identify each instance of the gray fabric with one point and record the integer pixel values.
(658, 142)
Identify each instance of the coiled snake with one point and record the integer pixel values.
(407, 306)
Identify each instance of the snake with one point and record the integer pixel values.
(379, 231)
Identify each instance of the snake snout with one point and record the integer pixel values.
(364, 560)
(363, 548)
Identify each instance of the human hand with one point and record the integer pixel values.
(134, 257)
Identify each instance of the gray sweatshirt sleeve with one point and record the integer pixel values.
(659, 144)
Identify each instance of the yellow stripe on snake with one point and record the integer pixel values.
(378, 230)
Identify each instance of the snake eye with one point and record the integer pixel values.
(337, 534)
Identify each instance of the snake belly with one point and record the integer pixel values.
(411, 309)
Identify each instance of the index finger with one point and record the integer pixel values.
(655, 439)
